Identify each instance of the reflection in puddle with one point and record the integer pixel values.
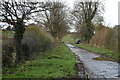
(101, 59)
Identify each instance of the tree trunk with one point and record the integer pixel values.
(18, 46)
(19, 31)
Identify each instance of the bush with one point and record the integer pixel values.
(106, 38)
(99, 38)
(35, 40)
(7, 49)
(111, 41)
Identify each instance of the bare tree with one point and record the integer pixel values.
(14, 13)
(98, 22)
(55, 19)
(84, 12)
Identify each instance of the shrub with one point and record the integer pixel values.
(99, 38)
(7, 49)
(111, 41)
(49, 42)
(106, 38)
(35, 40)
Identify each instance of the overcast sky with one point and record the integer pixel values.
(111, 11)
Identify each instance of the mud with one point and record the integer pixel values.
(101, 59)
(81, 71)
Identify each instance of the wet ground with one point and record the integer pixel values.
(95, 65)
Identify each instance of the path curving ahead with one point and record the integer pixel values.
(95, 69)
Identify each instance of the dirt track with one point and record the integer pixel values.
(95, 68)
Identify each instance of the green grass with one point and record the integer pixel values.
(58, 62)
(68, 38)
(109, 53)
(105, 52)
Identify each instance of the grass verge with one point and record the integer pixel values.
(58, 62)
(101, 51)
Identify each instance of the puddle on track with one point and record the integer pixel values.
(100, 59)
(96, 65)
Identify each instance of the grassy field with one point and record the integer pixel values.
(105, 52)
(58, 62)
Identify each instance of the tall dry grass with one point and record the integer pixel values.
(106, 38)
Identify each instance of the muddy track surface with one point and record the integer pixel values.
(94, 68)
